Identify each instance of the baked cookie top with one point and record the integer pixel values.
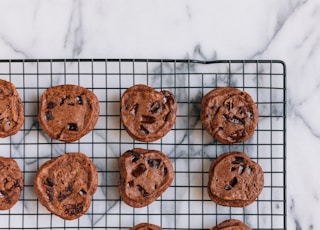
(229, 115)
(146, 226)
(11, 109)
(68, 112)
(231, 224)
(147, 114)
(234, 180)
(11, 183)
(66, 184)
(144, 176)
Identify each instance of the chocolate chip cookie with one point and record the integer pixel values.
(146, 226)
(229, 115)
(147, 114)
(68, 112)
(234, 180)
(144, 176)
(11, 183)
(66, 184)
(231, 224)
(11, 109)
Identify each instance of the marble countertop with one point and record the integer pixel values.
(202, 30)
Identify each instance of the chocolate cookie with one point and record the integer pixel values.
(146, 226)
(231, 224)
(68, 112)
(147, 114)
(11, 109)
(11, 183)
(65, 185)
(144, 176)
(234, 180)
(229, 115)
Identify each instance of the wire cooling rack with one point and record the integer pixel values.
(185, 204)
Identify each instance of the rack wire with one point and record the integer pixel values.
(185, 204)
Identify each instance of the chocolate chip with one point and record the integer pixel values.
(73, 127)
(61, 101)
(48, 115)
(236, 121)
(164, 171)
(69, 188)
(66, 192)
(17, 184)
(241, 170)
(142, 190)
(133, 109)
(141, 168)
(155, 106)
(135, 156)
(148, 119)
(62, 196)
(154, 163)
(238, 134)
(227, 105)
(49, 194)
(131, 183)
(50, 105)
(79, 100)
(165, 118)
(49, 182)
(144, 130)
(8, 200)
(169, 97)
(237, 160)
(233, 182)
(225, 117)
(249, 114)
(73, 209)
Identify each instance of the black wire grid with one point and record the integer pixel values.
(185, 204)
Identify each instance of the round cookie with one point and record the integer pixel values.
(68, 112)
(229, 115)
(66, 184)
(147, 114)
(234, 180)
(144, 176)
(146, 226)
(231, 224)
(11, 183)
(11, 109)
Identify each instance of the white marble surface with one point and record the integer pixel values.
(206, 30)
